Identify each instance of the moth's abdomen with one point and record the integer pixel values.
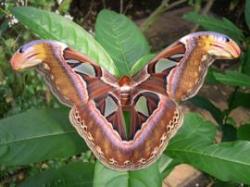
(125, 91)
(125, 98)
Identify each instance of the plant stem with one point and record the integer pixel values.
(230, 103)
(158, 12)
(204, 12)
(121, 6)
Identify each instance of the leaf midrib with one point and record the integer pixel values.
(37, 137)
(207, 155)
(213, 23)
(230, 78)
(39, 26)
(118, 42)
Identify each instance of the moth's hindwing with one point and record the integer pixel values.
(149, 139)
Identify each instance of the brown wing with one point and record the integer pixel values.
(148, 142)
(154, 75)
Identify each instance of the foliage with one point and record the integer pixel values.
(210, 23)
(38, 135)
(128, 43)
(78, 38)
(42, 128)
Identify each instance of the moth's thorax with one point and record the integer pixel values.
(124, 80)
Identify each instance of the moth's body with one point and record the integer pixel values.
(125, 90)
(98, 99)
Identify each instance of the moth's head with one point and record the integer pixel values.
(34, 53)
(214, 44)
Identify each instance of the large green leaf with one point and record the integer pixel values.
(48, 25)
(229, 132)
(195, 132)
(225, 161)
(166, 165)
(213, 24)
(73, 175)
(193, 144)
(38, 135)
(243, 132)
(121, 38)
(247, 13)
(239, 99)
(139, 64)
(231, 78)
(245, 61)
(209, 106)
(142, 178)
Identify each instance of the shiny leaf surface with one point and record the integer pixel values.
(142, 178)
(74, 174)
(121, 38)
(193, 144)
(231, 78)
(38, 135)
(213, 24)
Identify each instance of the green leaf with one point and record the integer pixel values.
(166, 165)
(38, 135)
(65, 6)
(48, 25)
(240, 99)
(231, 78)
(245, 61)
(229, 133)
(209, 106)
(243, 132)
(192, 132)
(74, 174)
(218, 183)
(225, 161)
(247, 13)
(121, 38)
(193, 144)
(142, 178)
(213, 24)
(4, 27)
(139, 64)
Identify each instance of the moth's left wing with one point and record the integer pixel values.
(182, 66)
